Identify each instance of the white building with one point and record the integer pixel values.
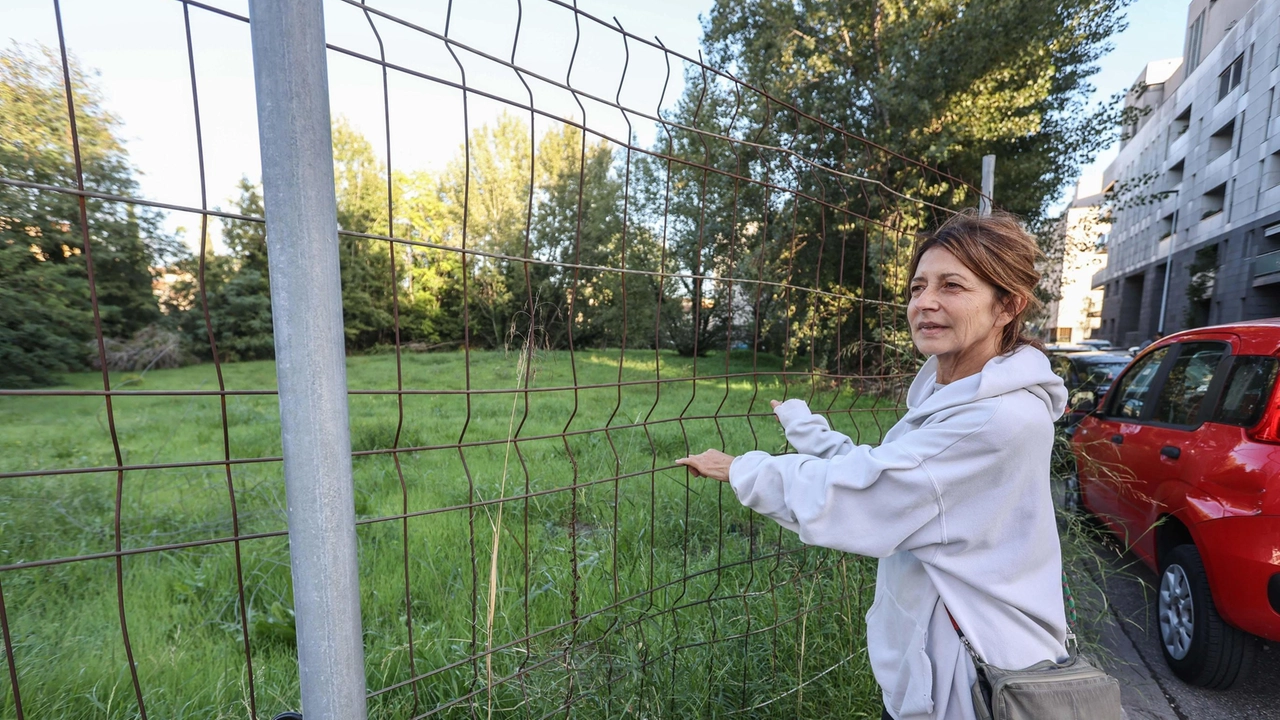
(1077, 313)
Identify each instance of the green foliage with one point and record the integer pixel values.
(941, 80)
(41, 238)
(44, 318)
(237, 289)
(365, 263)
(578, 221)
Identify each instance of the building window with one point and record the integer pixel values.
(1064, 335)
(1230, 78)
(1195, 34)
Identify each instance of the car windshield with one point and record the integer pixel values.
(1102, 373)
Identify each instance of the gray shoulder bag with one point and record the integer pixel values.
(1048, 690)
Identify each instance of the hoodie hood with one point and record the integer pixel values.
(1026, 368)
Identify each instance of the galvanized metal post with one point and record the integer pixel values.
(1168, 270)
(291, 77)
(988, 184)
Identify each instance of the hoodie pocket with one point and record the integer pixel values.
(896, 648)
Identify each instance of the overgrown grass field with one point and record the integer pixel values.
(621, 587)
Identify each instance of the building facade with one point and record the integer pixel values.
(1076, 314)
(1195, 189)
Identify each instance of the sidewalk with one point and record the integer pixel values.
(1140, 693)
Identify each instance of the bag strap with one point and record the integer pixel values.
(1069, 604)
(964, 640)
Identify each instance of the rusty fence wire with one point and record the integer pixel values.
(527, 546)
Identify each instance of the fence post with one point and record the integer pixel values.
(988, 184)
(291, 80)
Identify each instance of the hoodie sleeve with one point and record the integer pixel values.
(872, 501)
(810, 434)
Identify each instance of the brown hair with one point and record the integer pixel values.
(998, 249)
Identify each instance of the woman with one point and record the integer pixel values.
(955, 500)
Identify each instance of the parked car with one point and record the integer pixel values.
(1182, 462)
(1088, 376)
(1104, 345)
(1059, 348)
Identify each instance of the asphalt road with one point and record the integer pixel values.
(1150, 690)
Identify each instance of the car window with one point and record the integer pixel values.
(1248, 386)
(1131, 394)
(1188, 383)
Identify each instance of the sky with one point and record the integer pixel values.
(138, 48)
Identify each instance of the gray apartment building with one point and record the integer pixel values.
(1196, 185)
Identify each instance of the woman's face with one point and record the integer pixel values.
(953, 313)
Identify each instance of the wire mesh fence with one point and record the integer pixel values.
(537, 335)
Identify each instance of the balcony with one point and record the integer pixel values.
(1168, 205)
(1178, 148)
(1266, 268)
(1218, 169)
(1225, 110)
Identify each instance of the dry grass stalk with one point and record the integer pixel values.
(523, 366)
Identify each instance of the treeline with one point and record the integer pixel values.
(737, 204)
(683, 220)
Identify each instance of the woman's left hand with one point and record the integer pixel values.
(712, 463)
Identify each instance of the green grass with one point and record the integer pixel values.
(686, 603)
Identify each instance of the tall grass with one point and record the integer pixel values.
(650, 595)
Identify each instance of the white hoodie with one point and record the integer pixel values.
(955, 502)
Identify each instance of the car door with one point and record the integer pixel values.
(1184, 399)
(1223, 474)
(1104, 468)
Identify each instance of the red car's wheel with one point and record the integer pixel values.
(1199, 646)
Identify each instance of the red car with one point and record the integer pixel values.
(1182, 461)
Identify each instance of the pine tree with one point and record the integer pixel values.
(45, 316)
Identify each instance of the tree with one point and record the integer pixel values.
(237, 288)
(578, 222)
(361, 187)
(431, 308)
(1015, 84)
(1015, 81)
(572, 216)
(496, 163)
(40, 233)
(713, 225)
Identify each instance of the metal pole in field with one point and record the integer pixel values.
(988, 184)
(291, 80)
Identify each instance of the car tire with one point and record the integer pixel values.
(1199, 646)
